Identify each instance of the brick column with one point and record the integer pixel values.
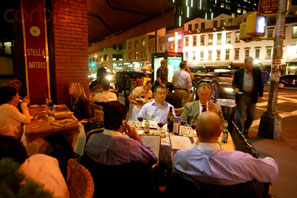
(70, 50)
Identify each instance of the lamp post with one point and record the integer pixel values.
(270, 124)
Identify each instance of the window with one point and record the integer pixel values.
(219, 38)
(120, 46)
(222, 5)
(194, 40)
(229, 22)
(186, 56)
(237, 38)
(136, 55)
(227, 7)
(171, 45)
(238, 10)
(257, 53)
(105, 57)
(201, 55)
(190, 27)
(236, 55)
(114, 47)
(196, 26)
(268, 52)
(202, 39)
(215, 24)
(203, 26)
(210, 39)
(136, 43)
(218, 54)
(130, 44)
(160, 48)
(228, 37)
(270, 33)
(187, 41)
(223, 23)
(246, 53)
(227, 57)
(209, 55)
(130, 55)
(194, 55)
(143, 42)
(143, 54)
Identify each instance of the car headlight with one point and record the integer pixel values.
(228, 89)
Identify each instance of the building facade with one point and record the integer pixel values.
(219, 45)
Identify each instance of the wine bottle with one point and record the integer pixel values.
(170, 120)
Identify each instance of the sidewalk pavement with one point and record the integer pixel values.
(283, 150)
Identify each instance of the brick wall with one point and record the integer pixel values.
(70, 37)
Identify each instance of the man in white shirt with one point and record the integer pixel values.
(182, 82)
(193, 109)
(106, 95)
(207, 162)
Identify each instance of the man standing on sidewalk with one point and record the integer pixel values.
(182, 82)
(162, 73)
(248, 86)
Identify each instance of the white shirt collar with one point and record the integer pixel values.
(112, 133)
(208, 146)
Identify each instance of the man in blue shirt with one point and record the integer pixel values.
(111, 147)
(158, 109)
(207, 162)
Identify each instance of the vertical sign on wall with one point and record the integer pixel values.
(35, 50)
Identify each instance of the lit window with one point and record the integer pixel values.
(136, 55)
(136, 43)
(268, 52)
(228, 38)
(257, 53)
(210, 39)
(244, 11)
(238, 10)
(294, 32)
(202, 40)
(227, 7)
(236, 55)
(218, 54)
(194, 40)
(222, 5)
(247, 53)
(186, 55)
(237, 37)
(219, 38)
(270, 33)
(194, 55)
(187, 41)
(143, 42)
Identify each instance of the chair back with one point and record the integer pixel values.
(125, 180)
(181, 185)
(79, 180)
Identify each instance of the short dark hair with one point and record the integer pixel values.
(114, 114)
(101, 72)
(158, 87)
(105, 84)
(149, 82)
(12, 148)
(183, 64)
(169, 86)
(6, 94)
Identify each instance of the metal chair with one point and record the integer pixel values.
(79, 180)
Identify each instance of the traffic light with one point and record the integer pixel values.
(243, 35)
(255, 24)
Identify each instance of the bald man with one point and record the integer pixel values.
(207, 162)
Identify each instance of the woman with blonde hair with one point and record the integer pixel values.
(79, 101)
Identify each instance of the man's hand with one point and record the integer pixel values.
(132, 132)
(26, 100)
(260, 98)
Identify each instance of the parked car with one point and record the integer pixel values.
(287, 81)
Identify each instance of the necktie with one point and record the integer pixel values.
(203, 108)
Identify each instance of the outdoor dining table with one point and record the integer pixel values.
(61, 121)
(167, 153)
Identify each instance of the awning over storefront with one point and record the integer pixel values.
(113, 21)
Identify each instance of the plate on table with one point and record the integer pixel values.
(34, 106)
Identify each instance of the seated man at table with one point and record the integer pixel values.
(106, 95)
(38, 167)
(207, 162)
(158, 109)
(193, 109)
(111, 147)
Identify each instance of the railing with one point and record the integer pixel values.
(241, 144)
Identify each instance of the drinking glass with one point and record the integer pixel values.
(140, 119)
(161, 124)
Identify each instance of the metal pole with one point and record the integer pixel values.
(270, 125)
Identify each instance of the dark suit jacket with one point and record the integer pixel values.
(258, 85)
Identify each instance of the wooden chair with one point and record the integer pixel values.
(79, 180)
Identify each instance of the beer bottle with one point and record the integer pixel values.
(146, 125)
(225, 133)
(170, 120)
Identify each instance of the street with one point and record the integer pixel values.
(284, 149)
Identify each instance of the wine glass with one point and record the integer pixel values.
(140, 119)
(193, 126)
(160, 124)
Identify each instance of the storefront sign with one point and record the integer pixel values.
(35, 50)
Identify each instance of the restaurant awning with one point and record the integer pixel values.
(113, 21)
